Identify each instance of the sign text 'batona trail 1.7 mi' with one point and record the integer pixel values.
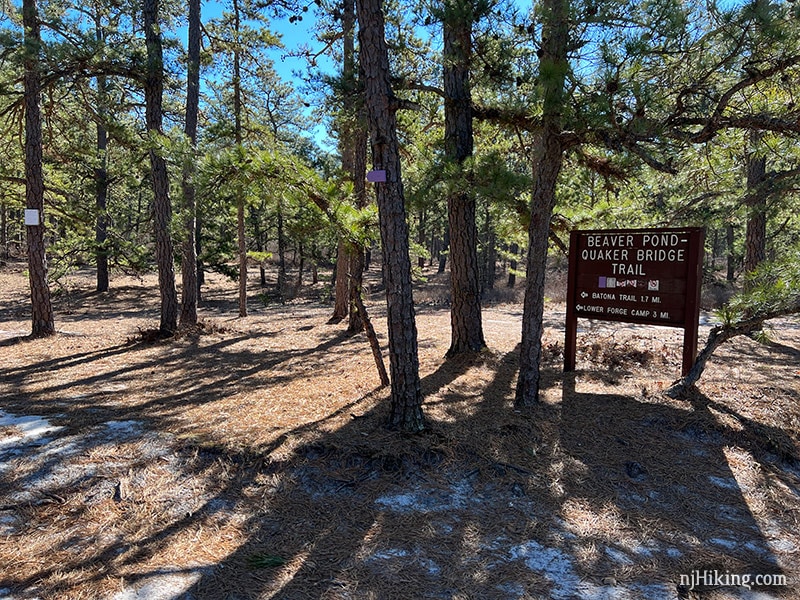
(646, 276)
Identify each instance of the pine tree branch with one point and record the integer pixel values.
(511, 117)
(721, 334)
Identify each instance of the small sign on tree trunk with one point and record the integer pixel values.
(32, 217)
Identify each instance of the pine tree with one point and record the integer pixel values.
(189, 254)
(42, 310)
(406, 395)
(465, 312)
(548, 158)
(162, 208)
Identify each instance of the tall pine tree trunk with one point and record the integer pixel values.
(465, 308)
(189, 248)
(358, 254)
(490, 262)
(548, 158)
(755, 245)
(730, 256)
(421, 236)
(162, 208)
(3, 230)
(101, 176)
(281, 253)
(348, 264)
(43, 323)
(406, 395)
(512, 265)
(237, 131)
(101, 200)
(340, 293)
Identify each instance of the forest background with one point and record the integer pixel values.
(498, 128)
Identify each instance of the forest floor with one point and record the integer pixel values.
(248, 459)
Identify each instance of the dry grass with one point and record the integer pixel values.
(247, 459)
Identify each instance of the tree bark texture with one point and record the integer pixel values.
(189, 246)
(357, 262)
(465, 308)
(548, 158)
(406, 395)
(730, 257)
(490, 254)
(101, 177)
(281, 254)
(444, 249)
(342, 297)
(340, 302)
(756, 230)
(421, 236)
(101, 199)
(162, 208)
(43, 323)
(3, 230)
(241, 234)
(512, 265)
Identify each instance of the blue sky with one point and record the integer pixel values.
(293, 36)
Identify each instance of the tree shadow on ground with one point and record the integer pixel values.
(670, 469)
(94, 464)
(494, 504)
(489, 503)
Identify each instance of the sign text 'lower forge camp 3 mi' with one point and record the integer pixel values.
(647, 276)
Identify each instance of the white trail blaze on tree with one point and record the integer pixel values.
(42, 310)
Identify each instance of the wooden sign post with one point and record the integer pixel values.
(647, 276)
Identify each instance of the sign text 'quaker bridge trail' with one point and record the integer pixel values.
(646, 276)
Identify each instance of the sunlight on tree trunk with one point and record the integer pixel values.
(189, 247)
(406, 395)
(465, 307)
(42, 311)
(755, 246)
(162, 209)
(548, 158)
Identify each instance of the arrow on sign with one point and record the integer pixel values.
(584, 295)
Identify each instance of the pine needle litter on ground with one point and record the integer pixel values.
(247, 458)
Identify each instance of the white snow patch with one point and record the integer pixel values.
(557, 567)
(645, 550)
(554, 564)
(124, 427)
(430, 566)
(162, 586)
(674, 553)
(729, 483)
(654, 591)
(618, 556)
(30, 428)
(430, 500)
(783, 545)
(512, 590)
(389, 554)
(725, 543)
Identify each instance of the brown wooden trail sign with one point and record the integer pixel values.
(646, 276)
